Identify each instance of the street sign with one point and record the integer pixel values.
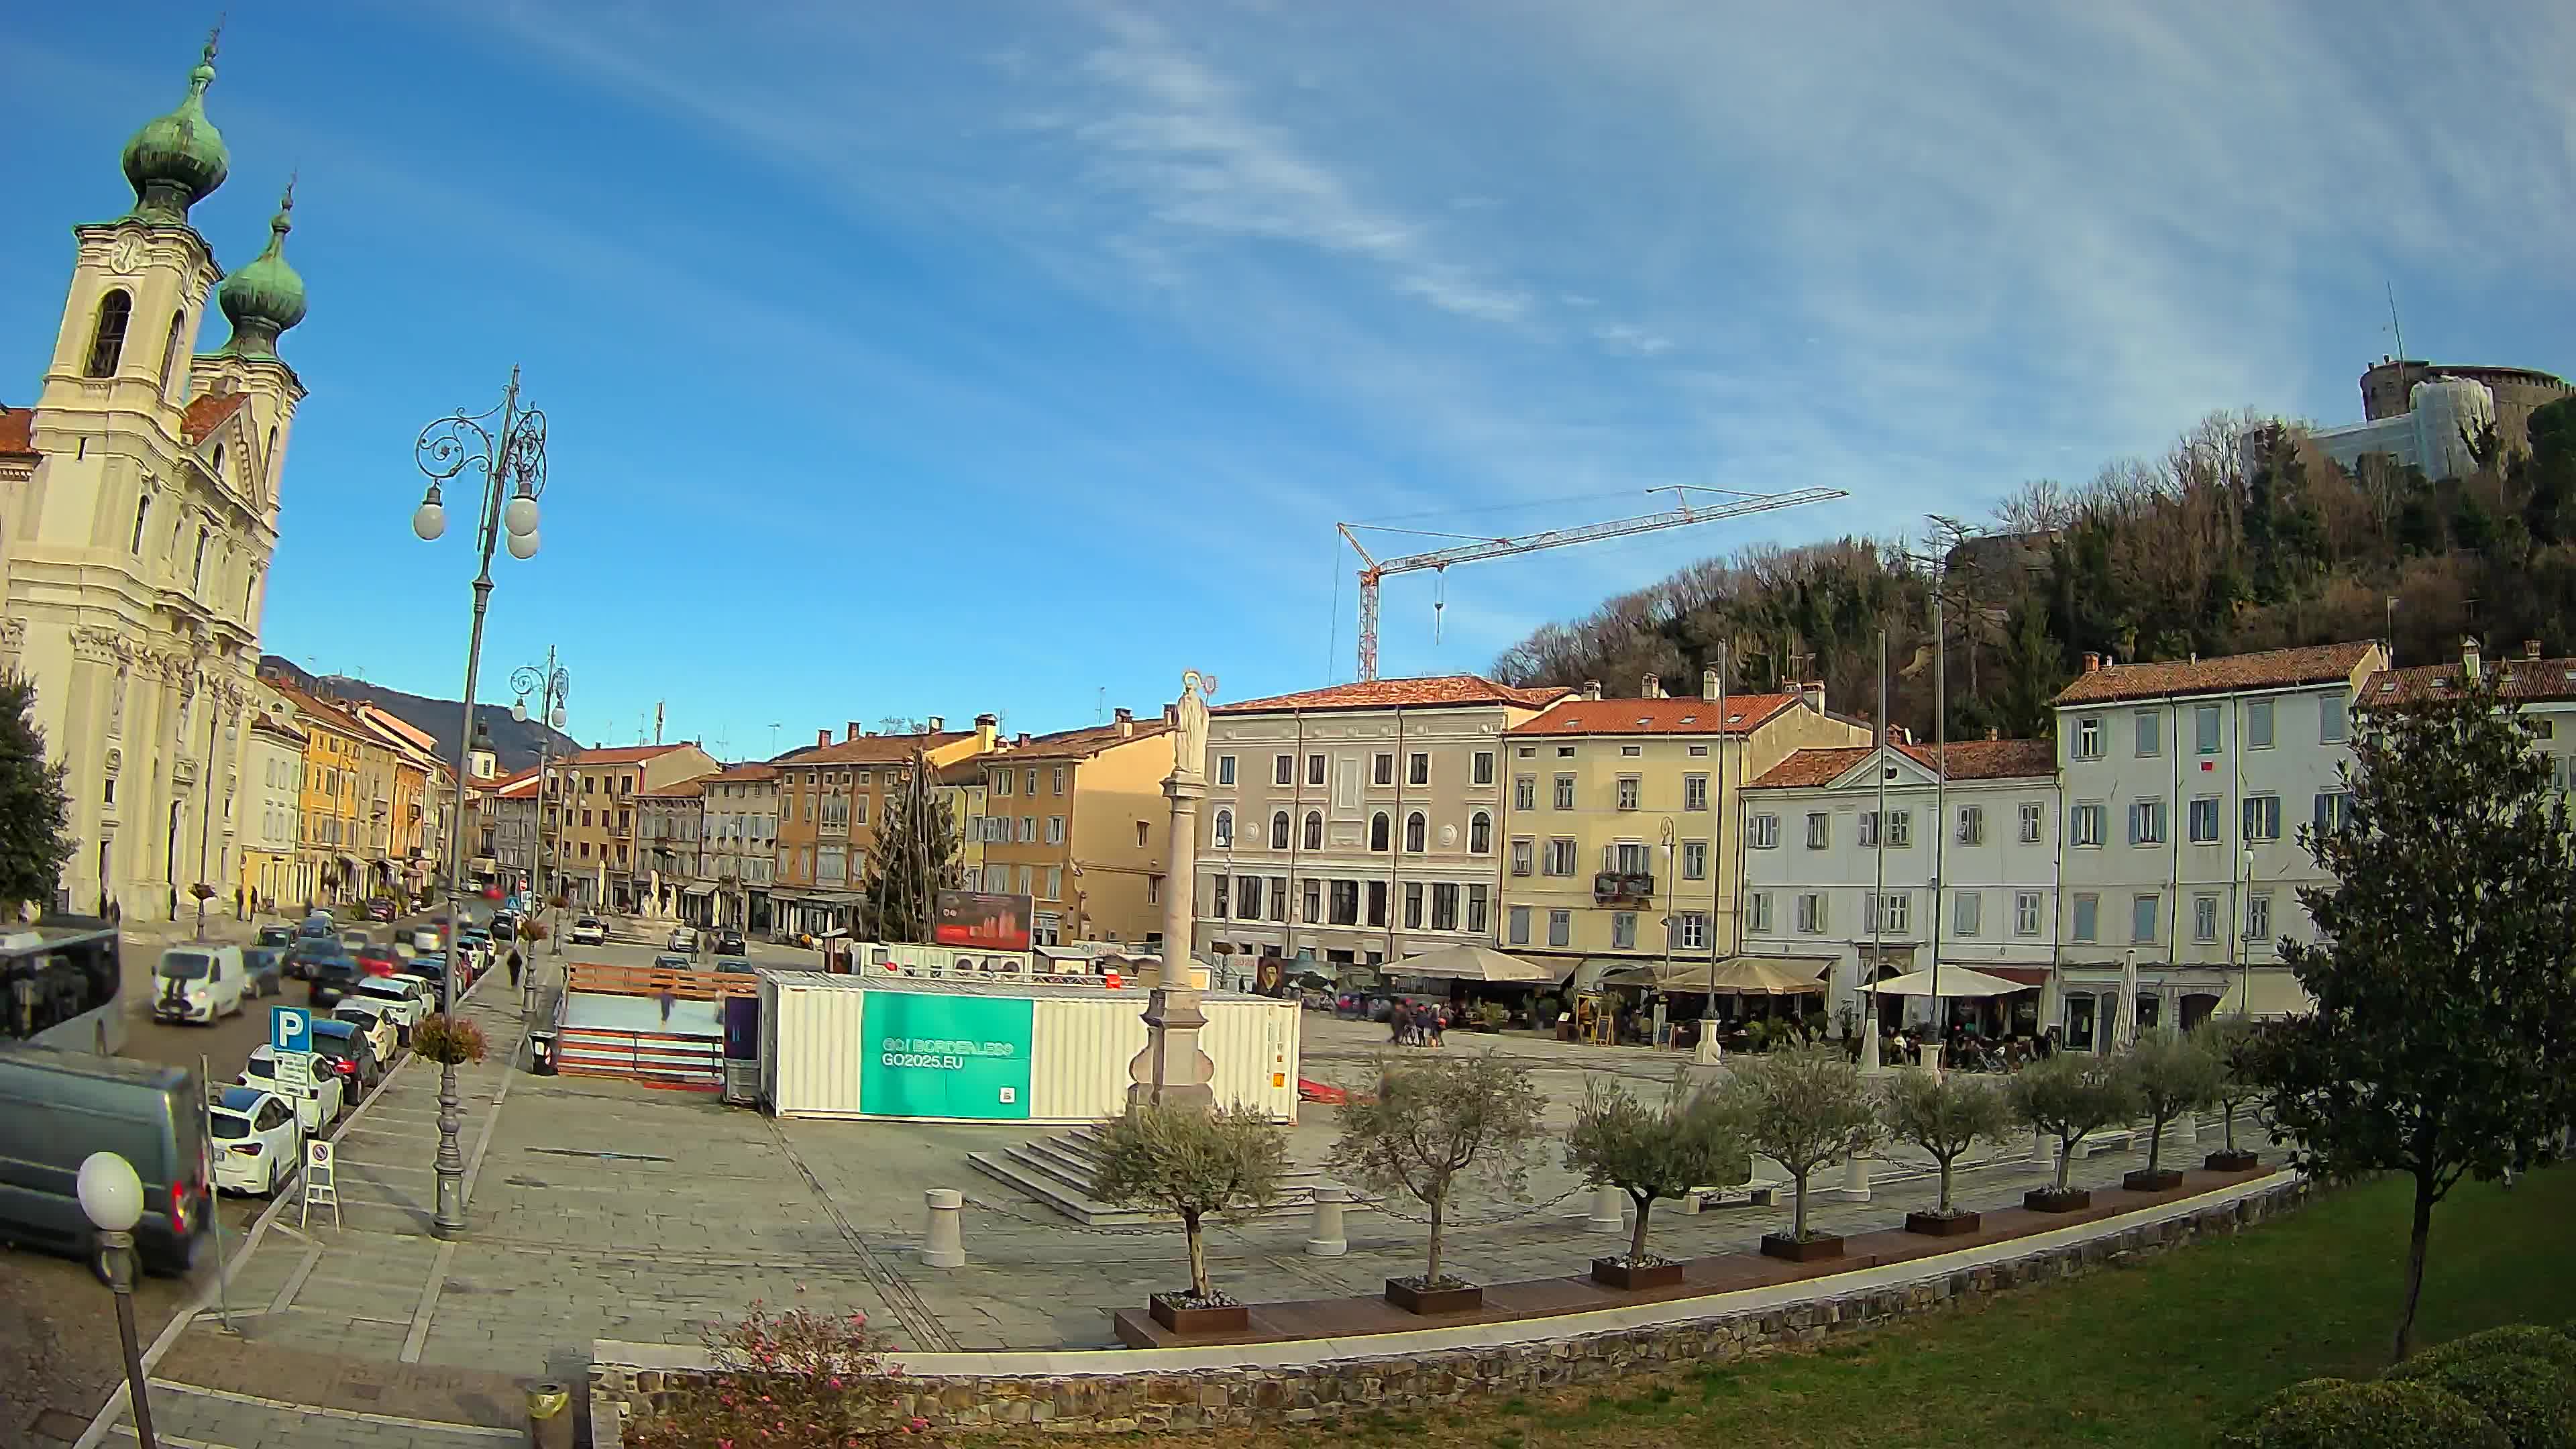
(295, 1071)
(290, 1029)
(320, 1186)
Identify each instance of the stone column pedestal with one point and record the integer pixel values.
(943, 1244)
(1609, 1206)
(1325, 1237)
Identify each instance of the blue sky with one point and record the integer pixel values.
(915, 359)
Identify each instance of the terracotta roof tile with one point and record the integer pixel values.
(1969, 760)
(874, 749)
(1672, 716)
(2528, 680)
(1429, 691)
(322, 712)
(685, 790)
(736, 774)
(621, 755)
(1083, 743)
(968, 771)
(2271, 669)
(17, 432)
(206, 412)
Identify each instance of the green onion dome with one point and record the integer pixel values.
(266, 297)
(179, 159)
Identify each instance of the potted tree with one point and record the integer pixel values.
(2226, 1040)
(1192, 1164)
(1945, 1115)
(448, 1041)
(2169, 1074)
(2069, 1096)
(1804, 1110)
(1434, 1123)
(1648, 1153)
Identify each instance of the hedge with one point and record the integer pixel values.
(2375, 1414)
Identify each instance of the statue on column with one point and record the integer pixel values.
(1190, 724)
(1172, 1070)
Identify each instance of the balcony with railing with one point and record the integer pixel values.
(1622, 887)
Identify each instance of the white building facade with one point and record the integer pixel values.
(741, 845)
(1340, 824)
(1963, 870)
(272, 818)
(2185, 785)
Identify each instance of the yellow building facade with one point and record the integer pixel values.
(331, 840)
(1078, 822)
(1620, 821)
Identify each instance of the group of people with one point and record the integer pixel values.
(1416, 1023)
(1962, 1047)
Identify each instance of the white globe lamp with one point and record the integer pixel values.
(110, 1194)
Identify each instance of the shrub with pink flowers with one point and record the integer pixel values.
(799, 1378)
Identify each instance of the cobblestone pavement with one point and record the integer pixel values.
(599, 1209)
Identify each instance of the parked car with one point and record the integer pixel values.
(317, 1106)
(278, 936)
(729, 942)
(257, 1139)
(589, 931)
(328, 978)
(684, 938)
(668, 962)
(354, 939)
(372, 1018)
(198, 983)
(431, 968)
(309, 949)
(408, 997)
(318, 924)
(731, 963)
(265, 967)
(351, 1054)
(57, 1107)
(381, 909)
(427, 938)
(378, 960)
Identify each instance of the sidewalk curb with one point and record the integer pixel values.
(104, 1422)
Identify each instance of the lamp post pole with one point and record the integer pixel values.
(511, 455)
(551, 685)
(111, 1197)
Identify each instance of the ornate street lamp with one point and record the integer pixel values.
(508, 447)
(551, 685)
(111, 1196)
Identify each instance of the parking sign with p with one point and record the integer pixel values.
(290, 1029)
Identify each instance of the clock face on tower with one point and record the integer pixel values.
(128, 254)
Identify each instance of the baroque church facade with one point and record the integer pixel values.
(138, 515)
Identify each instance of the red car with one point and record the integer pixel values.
(378, 960)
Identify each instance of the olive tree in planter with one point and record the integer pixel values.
(1649, 1152)
(2170, 1074)
(1945, 1115)
(2069, 1096)
(1804, 1110)
(1434, 1123)
(2226, 1039)
(1192, 1164)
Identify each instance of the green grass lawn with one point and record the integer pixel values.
(2169, 1351)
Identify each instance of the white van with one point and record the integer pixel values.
(198, 983)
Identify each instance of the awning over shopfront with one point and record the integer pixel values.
(1955, 981)
(2275, 993)
(1471, 963)
(1734, 976)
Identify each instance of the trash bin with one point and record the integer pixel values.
(541, 1051)
(549, 1415)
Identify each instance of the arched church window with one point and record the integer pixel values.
(170, 356)
(107, 339)
(142, 515)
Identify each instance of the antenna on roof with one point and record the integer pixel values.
(2398, 332)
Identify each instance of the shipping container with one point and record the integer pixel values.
(895, 1047)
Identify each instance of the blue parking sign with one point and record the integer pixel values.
(290, 1029)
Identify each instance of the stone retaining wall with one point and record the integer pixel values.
(1249, 1393)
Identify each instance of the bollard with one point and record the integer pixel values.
(941, 1244)
(1705, 1051)
(2041, 1151)
(1607, 1215)
(549, 1415)
(1855, 1186)
(1324, 1237)
(2186, 1130)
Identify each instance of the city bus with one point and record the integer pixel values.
(60, 981)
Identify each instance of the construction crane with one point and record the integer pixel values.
(1373, 570)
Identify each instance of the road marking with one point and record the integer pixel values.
(173, 1440)
(442, 1426)
(428, 1303)
(294, 1283)
(898, 1294)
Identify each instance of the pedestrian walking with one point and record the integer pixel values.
(1439, 1022)
(515, 964)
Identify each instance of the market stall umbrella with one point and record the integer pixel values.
(1955, 981)
(1471, 963)
(1737, 975)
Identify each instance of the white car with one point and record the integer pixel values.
(198, 983)
(370, 1016)
(589, 931)
(316, 1107)
(404, 998)
(427, 938)
(256, 1139)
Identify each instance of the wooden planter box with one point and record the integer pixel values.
(1231, 1318)
(2050, 1200)
(1933, 1225)
(2163, 1179)
(1616, 1273)
(1801, 1250)
(2231, 1162)
(1403, 1294)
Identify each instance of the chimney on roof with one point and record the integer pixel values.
(1653, 688)
(1813, 692)
(1708, 685)
(988, 731)
(1126, 723)
(822, 737)
(1023, 739)
(1592, 689)
(850, 730)
(937, 724)
(2092, 661)
(2530, 648)
(2469, 658)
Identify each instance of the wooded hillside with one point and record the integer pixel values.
(2214, 548)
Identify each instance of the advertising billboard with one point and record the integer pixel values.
(946, 1056)
(986, 922)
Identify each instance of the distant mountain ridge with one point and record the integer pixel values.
(516, 745)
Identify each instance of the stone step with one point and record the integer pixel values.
(1059, 1174)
